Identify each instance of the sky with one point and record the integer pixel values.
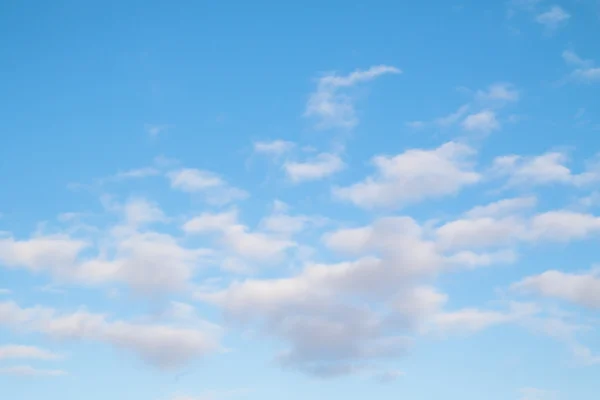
(265, 200)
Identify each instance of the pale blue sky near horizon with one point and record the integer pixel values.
(257, 200)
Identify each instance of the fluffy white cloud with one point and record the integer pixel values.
(55, 252)
(547, 168)
(149, 262)
(582, 289)
(319, 167)
(479, 232)
(209, 184)
(162, 345)
(15, 351)
(330, 106)
(484, 121)
(139, 211)
(238, 239)
(413, 176)
(280, 221)
(491, 226)
(340, 318)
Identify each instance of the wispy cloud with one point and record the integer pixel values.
(331, 106)
(26, 352)
(155, 130)
(553, 18)
(26, 370)
(584, 71)
(274, 147)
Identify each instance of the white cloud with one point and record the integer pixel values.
(26, 352)
(506, 230)
(453, 118)
(55, 252)
(584, 71)
(553, 17)
(140, 211)
(274, 148)
(340, 318)
(503, 208)
(498, 92)
(480, 232)
(471, 320)
(547, 168)
(483, 109)
(137, 173)
(572, 58)
(536, 394)
(280, 221)
(319, 167)
(26, 370)
(211, 185)
(194, 180)
(149, 262)
(331, 107)
(156, 129)
(162, 345)
(582, 289)
(563, 226)
(413, 176)
(5, 291)
(484, 121)
(238, 239)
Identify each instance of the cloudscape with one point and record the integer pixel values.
(300, 200)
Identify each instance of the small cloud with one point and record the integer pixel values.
(484, 121)
(154, 130)
(416, 124)
(137, 173)
(553, 18)
(584, 71)
(273, 148)
(26, 370)
(5, 291)
(503, 92)
(319, 167)
(571, 58)
(331, 107)
(210, 185)
(453, 118)
(8, 352)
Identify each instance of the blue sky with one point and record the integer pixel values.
(265, 200)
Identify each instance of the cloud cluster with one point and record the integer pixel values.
(162, 345)
(412, 176)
